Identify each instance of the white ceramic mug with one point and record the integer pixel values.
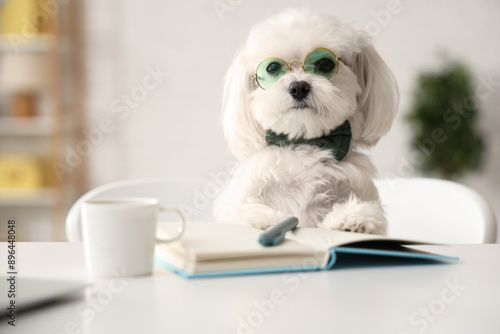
(119, 234)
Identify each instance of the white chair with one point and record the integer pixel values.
(436, 210)
(423, 209)
(194, 197)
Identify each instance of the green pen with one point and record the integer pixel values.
(276, 234)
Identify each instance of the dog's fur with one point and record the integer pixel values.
(273, 183)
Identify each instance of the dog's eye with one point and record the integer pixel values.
(324, 65)
(273, 68)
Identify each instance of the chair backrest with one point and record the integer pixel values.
(194, 197)
(423, 209)
(436, 210)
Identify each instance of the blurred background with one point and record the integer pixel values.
(97, 91)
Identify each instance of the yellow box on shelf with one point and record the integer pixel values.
(20, 173)
(17, 17)
(27, 18)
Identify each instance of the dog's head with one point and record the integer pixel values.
(306, 93)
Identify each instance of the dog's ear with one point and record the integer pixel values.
(379, 97)
(242, 132)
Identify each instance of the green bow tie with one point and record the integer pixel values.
(338, 140)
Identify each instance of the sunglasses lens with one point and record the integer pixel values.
(321, 62)
(270, 71)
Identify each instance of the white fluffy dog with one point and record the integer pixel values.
(298, 79)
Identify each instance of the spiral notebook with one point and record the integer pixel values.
(216, 249)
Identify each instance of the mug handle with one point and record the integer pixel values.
(180, 229)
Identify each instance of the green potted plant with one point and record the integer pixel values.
(443, 117)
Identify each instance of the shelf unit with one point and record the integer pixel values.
(35, 126)
(41, 197)
(41, 210)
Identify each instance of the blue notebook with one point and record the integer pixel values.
(215, 249)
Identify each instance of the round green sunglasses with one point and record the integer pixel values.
(319, 61)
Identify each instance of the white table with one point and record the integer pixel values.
(453, 298)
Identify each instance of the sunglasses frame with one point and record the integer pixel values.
(289, 65)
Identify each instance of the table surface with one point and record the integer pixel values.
(462, 297)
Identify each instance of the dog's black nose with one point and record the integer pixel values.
(299, 90)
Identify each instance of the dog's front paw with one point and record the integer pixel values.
(252, 214)
(356, 216)
(261, 216)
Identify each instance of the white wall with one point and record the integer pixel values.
(174, 129)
